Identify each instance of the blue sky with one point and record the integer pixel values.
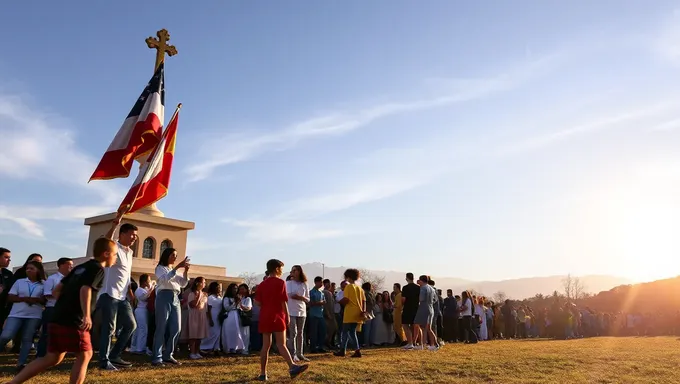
(483, 142)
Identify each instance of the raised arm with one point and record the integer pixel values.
(114, 225)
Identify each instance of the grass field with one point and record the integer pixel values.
(595, 360)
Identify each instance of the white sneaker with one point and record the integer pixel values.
(195, 356)
(433, 348)
(408, 346)
(295, 359)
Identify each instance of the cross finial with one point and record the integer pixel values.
(161, 46)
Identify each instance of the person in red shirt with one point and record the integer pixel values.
(273, 300)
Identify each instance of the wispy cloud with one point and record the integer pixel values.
(238, 147)
(27, 217)
(667, 43)
(40, 145)
(617, 119)
(285, 232)
(298, 220)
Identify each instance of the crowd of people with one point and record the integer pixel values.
(89, 307)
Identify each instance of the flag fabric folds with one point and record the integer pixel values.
(153, 180)
(139, 134)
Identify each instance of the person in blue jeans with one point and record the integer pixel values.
(317, 323)
(26, 313)
(114, 299)
(168, 310)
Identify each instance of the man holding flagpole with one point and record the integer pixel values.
(114, 298)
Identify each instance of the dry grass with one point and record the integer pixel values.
(597, 360)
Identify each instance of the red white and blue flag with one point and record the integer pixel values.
(139, 134)
(153, 180)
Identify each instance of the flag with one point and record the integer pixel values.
(139, 134)
(153, 180)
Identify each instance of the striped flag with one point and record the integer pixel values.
(139, 134)
(153, 180)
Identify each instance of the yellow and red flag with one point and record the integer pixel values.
(139, 134)
(153, 180)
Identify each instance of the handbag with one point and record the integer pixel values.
(246, 318)
(223, 313)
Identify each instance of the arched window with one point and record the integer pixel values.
(165, 245)
(149, 248)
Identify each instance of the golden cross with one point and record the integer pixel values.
(161, 46)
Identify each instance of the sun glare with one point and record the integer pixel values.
(644, 225)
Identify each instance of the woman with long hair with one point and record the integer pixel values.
(298, 298)
(480, 313)
(382, 332)
(236, 333)
(466, 310)
(26, 313)
(212, 342)
(168, 311)
(228, 306)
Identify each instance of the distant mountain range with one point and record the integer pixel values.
(513, 288)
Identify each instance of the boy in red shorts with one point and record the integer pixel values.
(273, 300)
(69, 330)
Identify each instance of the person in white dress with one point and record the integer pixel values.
(480, 311)
(212, 342)
(236, 337)
(382, 332)
(139, 338)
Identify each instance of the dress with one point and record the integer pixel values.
(483, 330)
(212, 341)
(271, 293)
(382, 332)
(397, 317)
(425, 313)
(197, 321)
(235, 338)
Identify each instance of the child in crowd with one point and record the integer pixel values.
(69, 330)
(273, 300)
(197, 323)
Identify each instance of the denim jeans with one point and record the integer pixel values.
(317, 333)
(366, 333)
(349, 333)
(42, 344)
(168, 325)
(116, 315)
(296, 337)
(27, 327)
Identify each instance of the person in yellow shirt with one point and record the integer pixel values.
(354, 301)
(398, 308)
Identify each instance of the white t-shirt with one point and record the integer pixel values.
(50, 283)
(117, 276)
(142, 296)
(25, 288)
(297, 308)
(468, 311)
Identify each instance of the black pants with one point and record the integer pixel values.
(509, 327)
(469, 336)
(440, 327)
(450, 328)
